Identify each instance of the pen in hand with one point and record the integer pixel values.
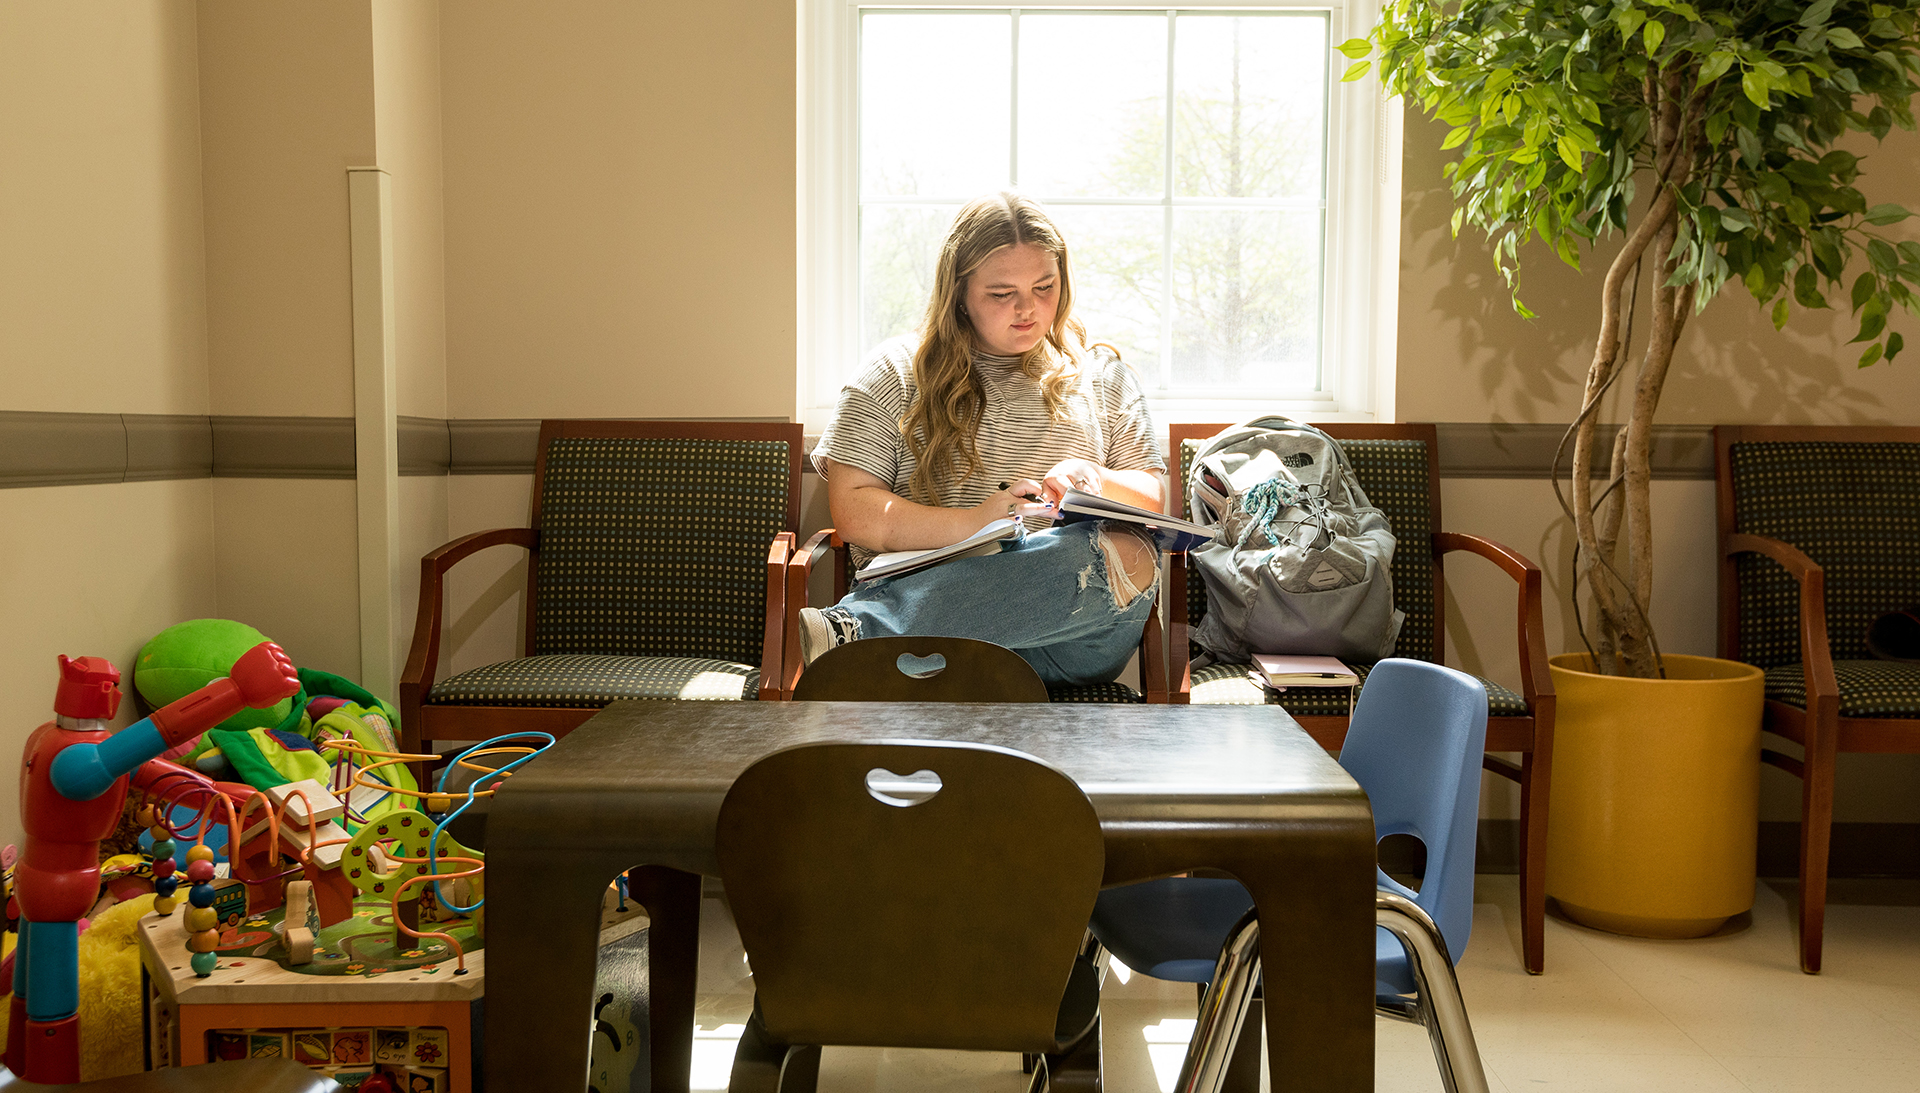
(1038, 499)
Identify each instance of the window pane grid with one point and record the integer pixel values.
(1230, 300)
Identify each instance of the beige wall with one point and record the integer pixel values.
(91, 571)
(287, 97)
(102, 310)
(102, 302)
(620, 208)
(1465, 356)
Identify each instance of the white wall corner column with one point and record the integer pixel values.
(376, 442)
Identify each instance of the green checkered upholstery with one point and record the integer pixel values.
(651, 580)
(1854, 508)
(581, 680)
(1094, 692)
(1868, 688)
(657, 547)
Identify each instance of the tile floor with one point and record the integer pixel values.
(1729, 1013)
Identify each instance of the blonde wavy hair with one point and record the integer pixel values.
(942, 424)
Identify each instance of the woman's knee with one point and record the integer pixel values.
(1132, 562)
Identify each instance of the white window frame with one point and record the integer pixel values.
(1361, 303)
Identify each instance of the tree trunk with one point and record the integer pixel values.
(1614, 532)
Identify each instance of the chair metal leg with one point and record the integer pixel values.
(1243, 1072)
(1437, 1004)
(1223, 1009)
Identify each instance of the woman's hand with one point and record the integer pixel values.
(1022, 497)
(867, 512)
(1075, 474)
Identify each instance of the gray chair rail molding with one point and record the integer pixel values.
(55, 449)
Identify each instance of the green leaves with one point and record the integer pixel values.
(1549, 109)
(1816, 13)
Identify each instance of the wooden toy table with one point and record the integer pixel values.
(257, 993)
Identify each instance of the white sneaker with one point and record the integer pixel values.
(816, 634)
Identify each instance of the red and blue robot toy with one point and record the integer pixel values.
(73, 785)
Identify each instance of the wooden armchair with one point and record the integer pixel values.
(657, 570)
(826, 546)
(1398, 467)
(1818, 537)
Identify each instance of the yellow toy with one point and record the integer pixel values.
(110, 1023)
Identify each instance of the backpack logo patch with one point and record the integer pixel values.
(1296, 460)
(1325, 577)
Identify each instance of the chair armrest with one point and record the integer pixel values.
(1816, 656)
(823, 544)
(423, 659)
(773, 642)
(1536, 681)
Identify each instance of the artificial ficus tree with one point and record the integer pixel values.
(1705, 134)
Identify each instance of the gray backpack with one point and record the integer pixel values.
(1303, 561)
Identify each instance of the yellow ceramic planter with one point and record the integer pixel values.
(1656, 795)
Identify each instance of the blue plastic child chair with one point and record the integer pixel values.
(1414, 745)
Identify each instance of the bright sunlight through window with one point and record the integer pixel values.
(1182, 154)
(1215, 182)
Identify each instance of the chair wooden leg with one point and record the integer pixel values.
(759, 1062)
(801, 1071)
(1533, 864)
(1816, 836)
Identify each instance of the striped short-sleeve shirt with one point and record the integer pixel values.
(1106, 422)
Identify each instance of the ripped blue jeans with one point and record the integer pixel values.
(1056, 597)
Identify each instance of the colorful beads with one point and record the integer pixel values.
(204, 963)
(199, 870)
(200, 895)
(164, 887)
(145, 816)
(162, 851)
(199, 919)
(163, 867)
(200, 852)
(205, 941)
(164, 905)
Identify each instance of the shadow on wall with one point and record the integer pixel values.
(1731, 365)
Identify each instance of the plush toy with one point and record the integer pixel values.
(187, 656)
(110, 1004)
(110, 1018)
